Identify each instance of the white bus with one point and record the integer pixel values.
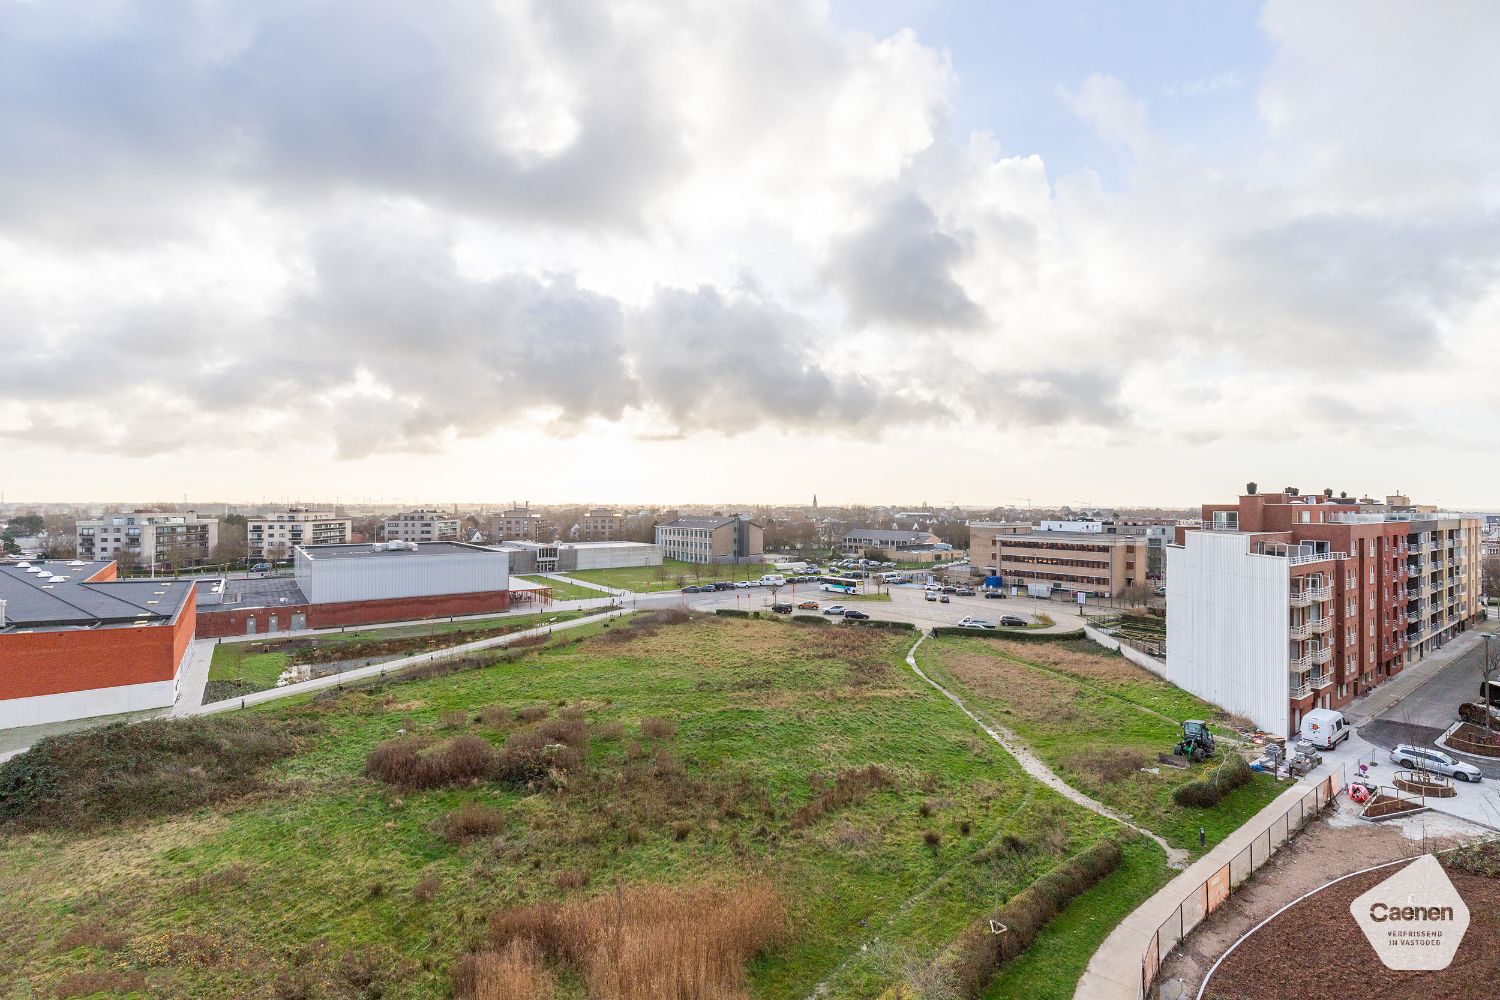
(838, 584)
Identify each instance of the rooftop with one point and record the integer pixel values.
(710, 521)
(55, 594)
(263, 592)
(379, 550)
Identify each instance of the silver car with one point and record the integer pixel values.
(1434, 760)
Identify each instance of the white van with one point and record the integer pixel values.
(772, 580)
(1324, 728)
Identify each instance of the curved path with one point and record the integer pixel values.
(1032, 765)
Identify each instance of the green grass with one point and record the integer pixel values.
(241, 667)
(648, 578)
(322, 868)
(1051, 967)
(562, 590)
(1097, 720)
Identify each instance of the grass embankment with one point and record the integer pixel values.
(562, 590)
(671, 575)
(239, 668)
(1099, 721)
(711, 756)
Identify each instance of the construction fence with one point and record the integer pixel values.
(1215, 890)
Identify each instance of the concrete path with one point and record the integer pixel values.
(583, 583)
(1033, 765)
(392, 667)
(193, 680)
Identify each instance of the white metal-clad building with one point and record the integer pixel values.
(606, 555)
(333, 574)
(1228, 615)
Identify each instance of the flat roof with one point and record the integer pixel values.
(607, 545)
(378, 550)
(56, 594)
(261, 592)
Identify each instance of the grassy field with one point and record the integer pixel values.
(562, 590)
(649, 578)
(241, 667)
(1099, 721)
(323, 881)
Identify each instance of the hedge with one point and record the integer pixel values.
(1207, 792)
(979, 953)
(734, 613)
(809, 620)
(1017, 634)
(880, 623)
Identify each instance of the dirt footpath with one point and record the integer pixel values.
(1335, 844)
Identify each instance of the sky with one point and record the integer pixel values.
(976, 253)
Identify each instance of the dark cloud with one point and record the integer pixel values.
(897, 269)
(119, 117)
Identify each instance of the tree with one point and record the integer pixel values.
(1489, 669)
(1135, 595)
(23, 525)
(8, 545)
(1491, 576)
(125, 560)
(874, 555)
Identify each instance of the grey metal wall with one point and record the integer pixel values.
(402, 574)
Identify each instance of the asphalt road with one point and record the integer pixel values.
(1425, 714)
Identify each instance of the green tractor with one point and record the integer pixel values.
(1197, 742)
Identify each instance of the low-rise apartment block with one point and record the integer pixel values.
(712, 539)
(521, 524)
(147, 538)
(1281, 603)
(277, 534)
(421, 526)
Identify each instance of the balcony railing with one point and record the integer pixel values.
(1321, 680)
(1303, 596)
(1301, 664)
(1300, 689)
(1321, 656)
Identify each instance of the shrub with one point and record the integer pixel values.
(608, 730)
(402, 762)
(91, 934)
(658, 729)
(533, 754)
(125, 772)
(453, 719)
(534, 714)
(809, 620)
(649, 942)
(498, 716)
(731, 613)
(1013, 635)
(932, 839)
(426, 890)
(571, 879)
(514, 972)
(470, 820)
(1205, 793)
(850, 787)
(979, 953)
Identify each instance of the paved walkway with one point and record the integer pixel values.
(584, 583)
(392, 667)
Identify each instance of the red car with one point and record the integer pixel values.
(808, 606)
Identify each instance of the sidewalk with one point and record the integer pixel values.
(584, 583)
(1387, 696)
(392, 667)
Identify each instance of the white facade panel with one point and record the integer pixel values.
(1228, 614)
(383, 576)
(614, 555)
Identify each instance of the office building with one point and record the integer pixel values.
(714, 539)
(1077, 556)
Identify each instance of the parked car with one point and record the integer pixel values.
(808, 606)
(782, 609)
(742, 585)
(261, 567)
(950, 589)
(969, 621)
(835, 609)
(854, 614)
(964, 591)
(993, 594)
(690, 590)
(723, 585)
(1012, 621)
(944, 599)
(1160, 591)
(1434, 760)
(932, 596)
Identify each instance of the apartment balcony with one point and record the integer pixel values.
(1301, 664)
(1322, 679)
(1300, 688)
(1305, 596)
(1412, 617)
(1308, 629)
(1321, 656)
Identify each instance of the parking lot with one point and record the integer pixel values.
(906, 604)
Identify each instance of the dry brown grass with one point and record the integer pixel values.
(471, 820)
(1023, 690)
(535, 713)
(514, 972)
(1107, 765)
(91, 934)
(650, 942)
(426, 890)
(849, 787)
(1098, 667)
(409, 764)
(498, 716)
(453, 719)
(658, 729)
(86, 984)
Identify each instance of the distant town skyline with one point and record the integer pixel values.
(1069, 250)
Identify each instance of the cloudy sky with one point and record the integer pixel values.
(1062, 250)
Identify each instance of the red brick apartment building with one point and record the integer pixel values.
(75, 642)
(1281, 603)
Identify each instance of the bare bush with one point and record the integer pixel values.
(535, 713)
(86, 984)
(91, 934)
(471, 820)
(498, 716)
(406, 763)
(453, 719)
(658, 729)
(850, 787)
(514, 972)
(426, 890)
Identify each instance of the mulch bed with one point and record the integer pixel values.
(1430, 786)
(1315, 951)
(1472, 739)
(1383, 805)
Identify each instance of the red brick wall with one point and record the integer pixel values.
(223, 623)
(38, 663)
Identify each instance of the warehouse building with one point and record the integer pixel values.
(334, 585)
(565, 557)
(77, 643)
